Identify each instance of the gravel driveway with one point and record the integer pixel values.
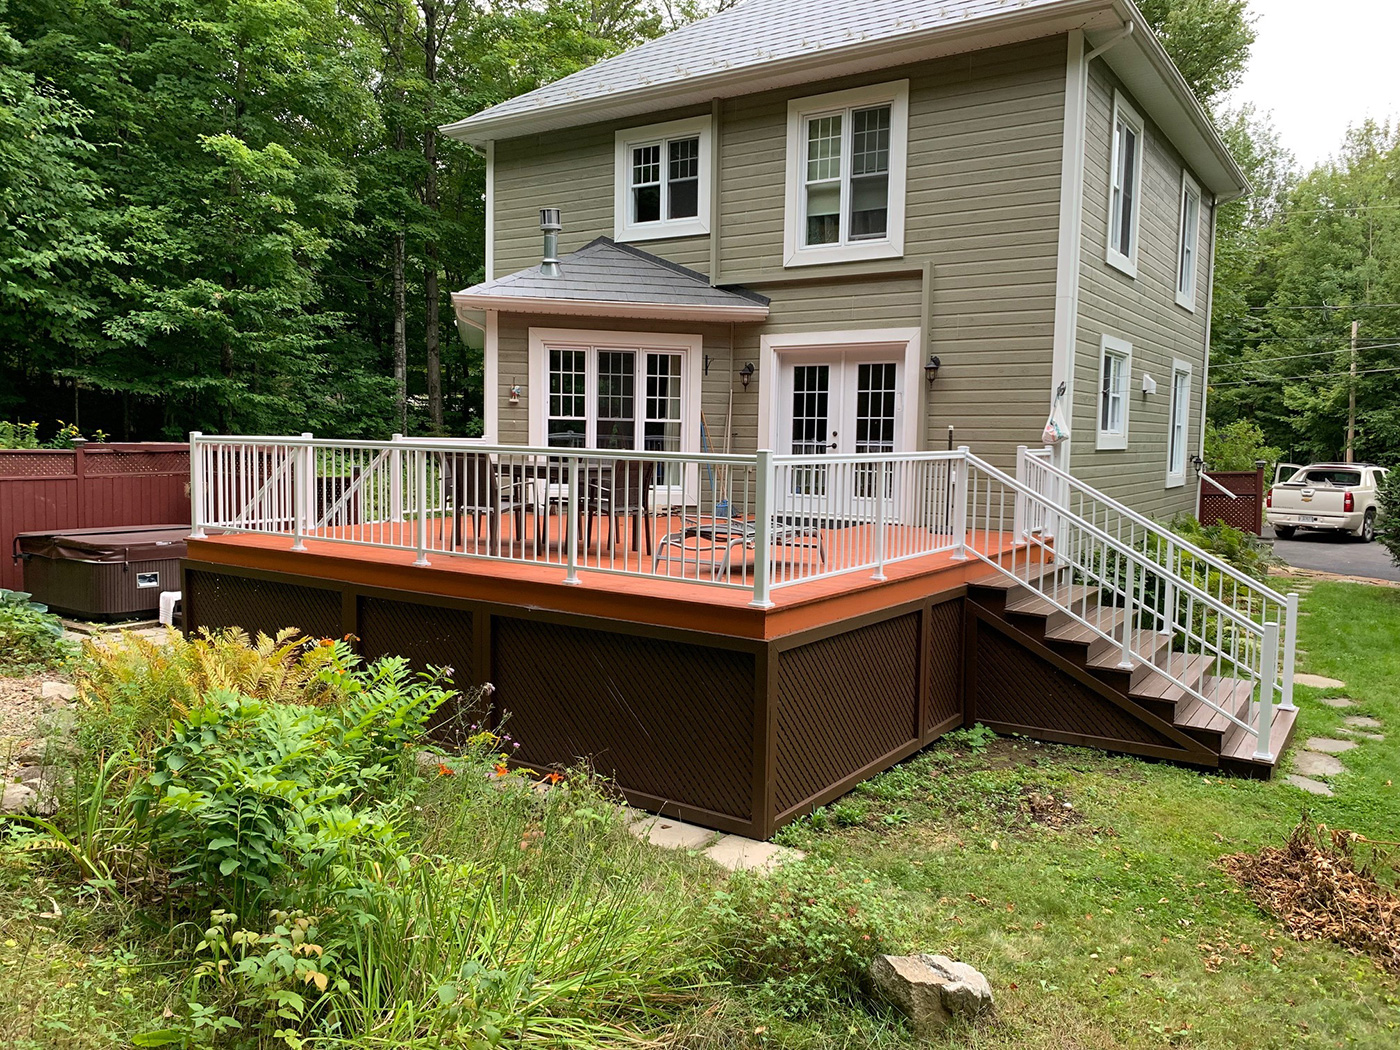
(1331, 552)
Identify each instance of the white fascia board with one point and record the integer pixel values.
(607, 308)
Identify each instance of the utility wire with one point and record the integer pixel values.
(1351, 306)
(1315, 375)
(1298, 357)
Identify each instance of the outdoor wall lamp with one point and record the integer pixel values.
(931, 369)
(745, 374)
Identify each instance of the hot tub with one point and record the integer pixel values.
(103, 574)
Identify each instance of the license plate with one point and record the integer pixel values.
(1307, 517)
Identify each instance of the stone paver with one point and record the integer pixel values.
(672, 834)
(1317, 681)
(1360, 735)
(1362, 722)
(1335, 701)
(1313, 787)
(58, 690)
(736, 853)
(1316, 764)
(1329, 745)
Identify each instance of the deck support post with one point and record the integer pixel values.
(1290, 645)
(763, 531)
(958, 478)
(1263, 742)
(421, 542)
(882, 476)
(196, 486)
(571, 578)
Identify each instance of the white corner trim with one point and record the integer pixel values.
(1205, 352)
(1110, 442)
(1123, 109)
(1186, 297)
(542, 338)
(490, 211)
(891, 246)
(491, 379)
(1177, 479)
(623, 228)
(907, 342)
(1068, 265)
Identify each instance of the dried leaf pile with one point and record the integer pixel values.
(1319, 890)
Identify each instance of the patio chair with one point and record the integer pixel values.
(730, 534)
(621, 490)
(475, 488)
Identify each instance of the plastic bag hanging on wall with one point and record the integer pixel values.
(1057, 426)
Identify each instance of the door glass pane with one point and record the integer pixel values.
(824, 180)
(875, 400)
(683, 179)
(662, 423)
(870, 168)
(617, 415)
(568, 420)
(811, 398)
(646, 183)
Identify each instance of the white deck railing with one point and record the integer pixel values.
(762, 522)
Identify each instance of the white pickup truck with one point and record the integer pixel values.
(1339, 497)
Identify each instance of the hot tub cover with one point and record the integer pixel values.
(138, 543)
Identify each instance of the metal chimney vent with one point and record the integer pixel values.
(551, 222)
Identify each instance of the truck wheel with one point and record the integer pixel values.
(1285, 532)
(1367, 532)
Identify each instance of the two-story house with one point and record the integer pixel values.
(807, 225)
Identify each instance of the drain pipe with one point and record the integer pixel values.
(550, 223)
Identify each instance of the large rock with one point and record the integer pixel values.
(18, 798)
(931, 990)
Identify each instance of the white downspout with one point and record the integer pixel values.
(1071, 232)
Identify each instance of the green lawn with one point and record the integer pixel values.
(1084, 885)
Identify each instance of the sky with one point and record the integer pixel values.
(1319, 66)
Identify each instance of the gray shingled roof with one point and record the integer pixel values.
(754, 33)
(604, 271)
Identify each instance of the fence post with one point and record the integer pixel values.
(763, 532)
(196, 486)
(1290, 643)
(1023, 475)
(880, 479)
(1263, 744)
(958, 477)
(396, 481)
(571, 577)
(422, 523)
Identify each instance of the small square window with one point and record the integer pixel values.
(663, 181)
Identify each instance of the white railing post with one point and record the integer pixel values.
(1169, 595)
(959, 472)
(296, 463)
(1263, 743)
(396, 481)
(572, 510)
(307, 474)
(1126, 660)
(881, 475)
(421, 543)
(763, 530)
(197, 484)
(1019, 528)
(1290, 644)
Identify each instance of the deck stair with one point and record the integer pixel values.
(1076, 653)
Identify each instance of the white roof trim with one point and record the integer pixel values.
(520, 304)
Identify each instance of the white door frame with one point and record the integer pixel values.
(905, 344)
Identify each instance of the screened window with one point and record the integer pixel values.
(663, 180)
(1113, 393)
(1190, 241)
(1179, 426)
(1126, 188)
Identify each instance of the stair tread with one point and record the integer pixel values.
(1108, 621)
(1033, 603)
(1157, 686)
(1106, 656)
(997, 581)
(1239, 745)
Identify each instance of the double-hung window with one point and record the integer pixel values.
(663, 181)
(1125, 204)
(847, 153)
(1178, 428)
(1115, 374)
(1188, 249)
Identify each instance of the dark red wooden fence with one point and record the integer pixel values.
(89, 486)
(1246, 511)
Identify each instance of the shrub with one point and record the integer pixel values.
(1238, 446)
(1242, 551)
(802, 935)
(1388, 525)
(30, 636)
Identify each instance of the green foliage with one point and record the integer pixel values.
(802, 935)
(1388, 523)
(1208, 39)
(1239, 446)
(976, 738)
(31, 637)
(1243, 551)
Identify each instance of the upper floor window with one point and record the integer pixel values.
(846, 175)
(663, 181)
(1186, 259)
(1116, 370)
(1125, 205)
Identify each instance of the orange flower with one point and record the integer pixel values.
(554, 778)
(501, 769)
(445, 770)
(326, 643)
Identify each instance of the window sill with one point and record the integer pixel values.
(857, 252)
(1112, 442)
(662, 232)
(1176, 481)
(1187, 304)
(1122, 263)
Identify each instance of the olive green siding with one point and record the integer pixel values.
(1142, 311)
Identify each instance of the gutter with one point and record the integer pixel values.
(606, 308)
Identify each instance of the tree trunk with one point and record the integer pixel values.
(431, 292)
(400, 338)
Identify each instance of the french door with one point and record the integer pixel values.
(839, 403)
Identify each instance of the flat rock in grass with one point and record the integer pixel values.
(1317, 681)
(1316, 764)
(1335, 701)
(931, 990)
(1362, 722)
(737, 853)
(672, 834)
(1313, 787)
(1378, 737)
(58, 691)
(1328, 745)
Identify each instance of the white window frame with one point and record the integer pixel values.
(1124, 113)
(689, 346)
(1189, 239)
(891, 246)
(1179, 411)
(1109, 440)
(624, 229)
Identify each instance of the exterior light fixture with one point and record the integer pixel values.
(931, 369)
(745, 374)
